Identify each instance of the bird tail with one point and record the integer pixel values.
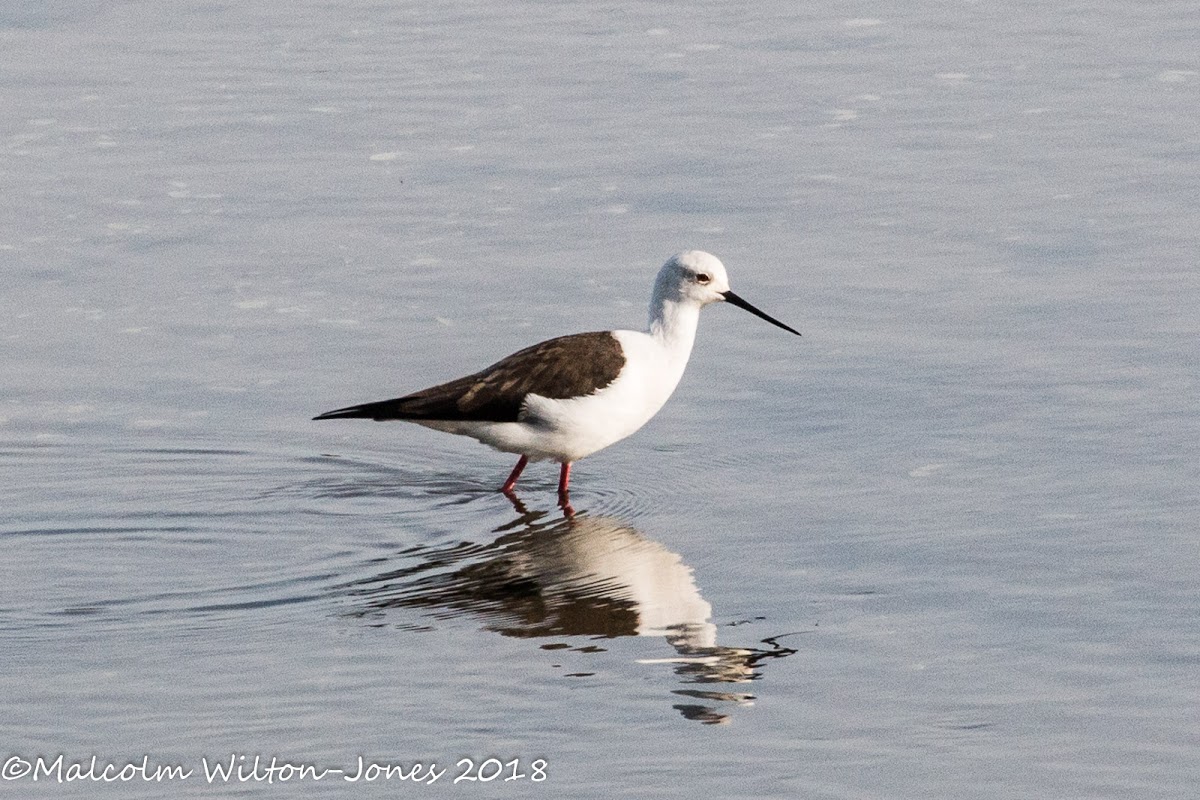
(383, 410)
(441, 402)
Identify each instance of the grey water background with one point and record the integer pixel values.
(944, 545)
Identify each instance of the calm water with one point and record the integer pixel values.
(945, 545)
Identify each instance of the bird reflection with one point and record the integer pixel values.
(577, 576)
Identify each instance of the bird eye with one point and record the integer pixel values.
(703, 277)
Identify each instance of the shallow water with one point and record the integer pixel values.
(944, 545)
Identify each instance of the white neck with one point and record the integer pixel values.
(673, 323)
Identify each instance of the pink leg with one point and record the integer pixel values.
(511, 483)
(564, 496)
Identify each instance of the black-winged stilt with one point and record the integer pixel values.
(568, 397)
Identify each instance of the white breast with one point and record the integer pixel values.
(579, 426)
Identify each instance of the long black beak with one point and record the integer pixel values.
(733, 299)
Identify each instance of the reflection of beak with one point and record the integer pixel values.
(733, 299)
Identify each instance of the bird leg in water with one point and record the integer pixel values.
(564, 495)
(511, 483)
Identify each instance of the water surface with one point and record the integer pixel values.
(944, 545)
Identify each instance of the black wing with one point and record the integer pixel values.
(568, 366)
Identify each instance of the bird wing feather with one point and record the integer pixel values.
(567, 366)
